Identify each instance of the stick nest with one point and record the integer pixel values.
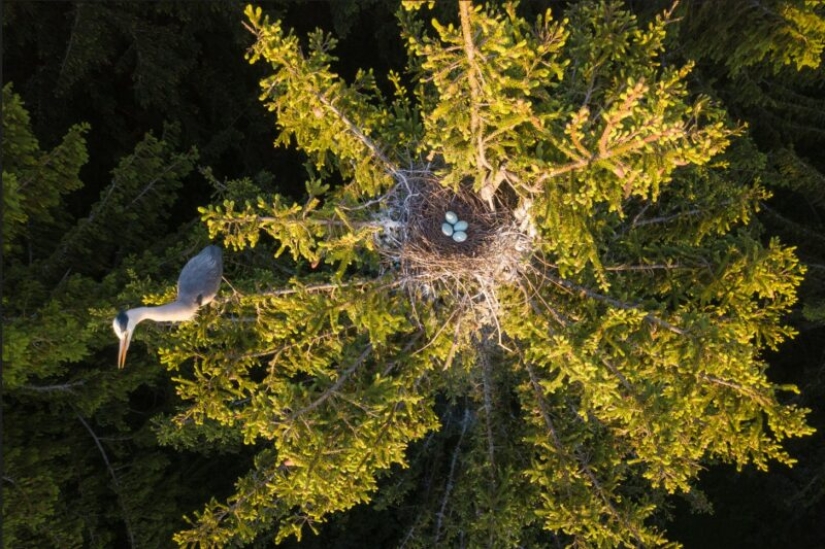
(494, 253)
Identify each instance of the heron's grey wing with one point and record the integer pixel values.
(201, 277)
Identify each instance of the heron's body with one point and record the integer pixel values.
(197, 285)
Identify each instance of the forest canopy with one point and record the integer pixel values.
(523, 296)
(599, 328)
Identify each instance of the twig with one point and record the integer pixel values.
(390, 166)
(326, 288)
(335, 386)
(664, 218)
(451, 477)
(59, 388)
(739, 388)
(114, 480)
(564, 456)
(151, 184)
(621, 149)
(486, 383)
(650, 317)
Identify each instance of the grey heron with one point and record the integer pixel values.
(197, 285)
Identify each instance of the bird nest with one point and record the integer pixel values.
(429, 261)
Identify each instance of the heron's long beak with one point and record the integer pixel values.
(124, 346)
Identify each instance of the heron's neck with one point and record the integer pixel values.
(177, 311)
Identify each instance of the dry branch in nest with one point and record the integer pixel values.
(431, 262)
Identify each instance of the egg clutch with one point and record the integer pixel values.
(446, 238)
(454, 227)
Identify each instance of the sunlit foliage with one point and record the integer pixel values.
(621, 356)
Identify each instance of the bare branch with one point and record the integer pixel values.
(664, 218)
(123, 509)
(59, 388)
(451, 477)
(327, 288)
(486, 381)
(476, 121)
(739, 388)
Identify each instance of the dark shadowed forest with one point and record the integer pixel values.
(628, 350)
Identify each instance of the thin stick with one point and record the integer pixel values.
(650, 317)
(114, 480)
(335, 386)
(451, 478)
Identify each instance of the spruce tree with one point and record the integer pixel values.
(81, 464)
(594, 341)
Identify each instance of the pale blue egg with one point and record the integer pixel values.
(460, 226)
(451, 217)
(459, 236)
(447, 229)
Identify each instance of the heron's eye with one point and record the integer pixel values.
(121, 322)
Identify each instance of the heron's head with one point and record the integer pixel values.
(123, 330)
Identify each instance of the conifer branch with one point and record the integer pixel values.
(178, 161)
(241, 499)
(548, 422)
(739, 388)
(67, 387)
(624, 148)
(451, 477)
(126, 519)
(356, 131)
(594, 481)
(793, 225)
(473, 78)
(648, 432)
(487, 391)
(584, 465)
(334, 387)
(650, 317)
(30, 507)
(79, 8)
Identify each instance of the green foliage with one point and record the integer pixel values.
(76, 475)
(144, 186)
(779, 33)
(492, 99)
(762, 60)
(800, 176)
(129, 67)
(45, 327)
(622, 357)
(81, 466)
(34, 180)
(305, 96)
(340, 409)
(627, 355)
